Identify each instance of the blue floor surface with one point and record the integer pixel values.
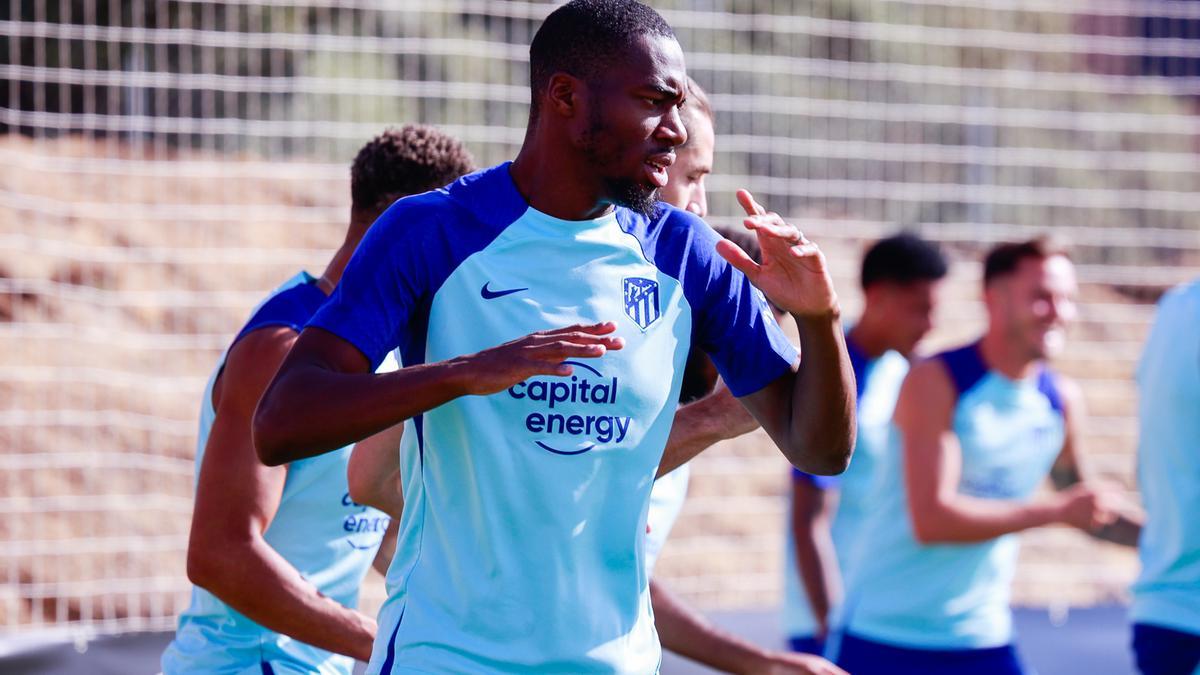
(1094, 641)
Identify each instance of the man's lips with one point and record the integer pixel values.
(656, 168)
(661, 160)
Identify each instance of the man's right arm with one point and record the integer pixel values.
(813, 508)
(933, 468)
(236, 500)
(325, 396)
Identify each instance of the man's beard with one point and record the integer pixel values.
(626, 192)
(633, 196)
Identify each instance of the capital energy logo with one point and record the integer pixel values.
(993, 484)
(571, 433)
(366, 521)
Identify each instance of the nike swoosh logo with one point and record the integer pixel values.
(489, 294)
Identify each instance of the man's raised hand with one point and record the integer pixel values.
(542, 353)
(793, 273)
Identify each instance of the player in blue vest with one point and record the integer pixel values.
(901, 276)
(543, 309)
(1166, 596)
(978, 429)
(277, 554)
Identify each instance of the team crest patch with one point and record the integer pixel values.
(641, 301)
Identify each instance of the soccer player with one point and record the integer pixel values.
(900, 279)
(705, 418)
(1166, 596)
(543, 309)
(277, 554)
(979, 428)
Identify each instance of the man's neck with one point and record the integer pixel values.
(553, 180)
(1001, 356)
(869, 336)
(337, 264)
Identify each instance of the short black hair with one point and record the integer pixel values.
(902, 259)
(1003, 259)
(583, 37)
(400, 162)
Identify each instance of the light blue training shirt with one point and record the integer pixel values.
(956, 596)
(1167, 592)
(878, 386)
(318, 529)
(522, 543)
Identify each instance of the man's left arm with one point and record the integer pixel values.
(1071, 467)
(809, 411)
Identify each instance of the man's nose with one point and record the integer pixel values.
(671, 127)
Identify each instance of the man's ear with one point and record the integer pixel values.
(564, 94)
(994, 293)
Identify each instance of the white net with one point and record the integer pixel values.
(165, 163)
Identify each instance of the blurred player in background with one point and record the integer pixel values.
(277, 554)
(979, 428)
(525, 477)
(901, 277)
(1166, 596)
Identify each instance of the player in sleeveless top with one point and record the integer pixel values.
(1166, 595)
(901, 276)
(978, 429)
(277, 554)
(543, 309)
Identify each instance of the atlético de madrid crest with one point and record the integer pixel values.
(641, 301)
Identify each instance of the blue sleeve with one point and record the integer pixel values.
(732, 320)
(291, 308)
(819, 482)
(1047, 383)
(387, 281)
(965, 366)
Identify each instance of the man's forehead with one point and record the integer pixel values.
(1061, 272)
(657, 61)
(1052, 270)
(917, 288)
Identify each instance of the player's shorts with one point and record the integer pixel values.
(807, 644)
(1164, 651)
(866, 657)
